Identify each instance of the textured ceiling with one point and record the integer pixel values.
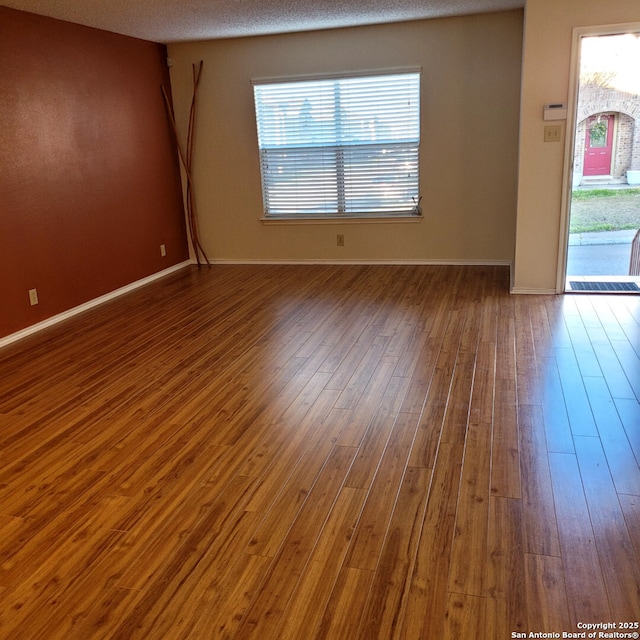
(180, 20)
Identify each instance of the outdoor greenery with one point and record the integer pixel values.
(604, 210)
(589, 194)
(598, 133)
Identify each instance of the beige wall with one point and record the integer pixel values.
(545, 78)
(470, 107)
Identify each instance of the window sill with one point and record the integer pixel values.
(279, 220)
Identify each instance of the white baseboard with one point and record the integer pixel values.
(355, 261)
(533, 292)
(65, 315)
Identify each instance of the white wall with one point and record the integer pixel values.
(545, 78)
(469, 125)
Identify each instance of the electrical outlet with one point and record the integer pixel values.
(163, 250)
(552, 133)
(33, 297)
(340, 240)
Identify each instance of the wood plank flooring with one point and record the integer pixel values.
(323, 452)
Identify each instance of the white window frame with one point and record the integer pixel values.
(372, 161)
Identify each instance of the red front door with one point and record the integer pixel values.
(598, 146)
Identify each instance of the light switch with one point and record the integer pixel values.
(552, 132)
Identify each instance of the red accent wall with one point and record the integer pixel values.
(89, 176)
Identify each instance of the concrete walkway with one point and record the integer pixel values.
(601, 253)
(602, 237)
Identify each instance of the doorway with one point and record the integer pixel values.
(604, 208)
(598, 145)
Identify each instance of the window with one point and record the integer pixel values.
(339, 147)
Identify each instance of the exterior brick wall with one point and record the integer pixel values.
(625, 107)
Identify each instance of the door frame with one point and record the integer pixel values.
(570, 134)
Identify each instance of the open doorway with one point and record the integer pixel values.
(603, 252)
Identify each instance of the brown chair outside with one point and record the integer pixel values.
(634, 262)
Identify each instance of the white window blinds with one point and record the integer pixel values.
(341, 146)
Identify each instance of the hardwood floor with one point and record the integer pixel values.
(329, 452)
